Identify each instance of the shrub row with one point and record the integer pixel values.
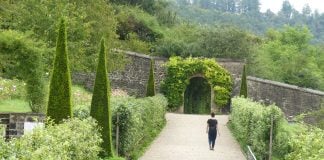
(251, 122)
(140, 121)
(74, 139)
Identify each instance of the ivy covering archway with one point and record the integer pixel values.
(180, 70)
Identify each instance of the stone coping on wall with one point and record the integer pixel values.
(141, 55)
(280, 84)
(166, 59)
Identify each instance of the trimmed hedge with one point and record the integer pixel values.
(150, 88)
(59, 102)
(250, 123)
(243, 89)
(74, 139)
(140, 121)
(100, 104)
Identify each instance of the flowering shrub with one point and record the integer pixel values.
(12, 89)
(74, 139)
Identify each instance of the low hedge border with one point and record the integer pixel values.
(250, 123)
(140, 121)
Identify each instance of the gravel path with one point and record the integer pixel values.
(185, 138)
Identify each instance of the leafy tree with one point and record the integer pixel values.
(100, 104)
(59, 102)
(226, 42)
(21, 57)
(205, 4)
(217, 41)
(287, 56)
(150, 89)
(286, 10)
(150, 6)
(307, 10)
(252, 6)
(183, 2)
(87, 21)
(231, 6)
(133, 20)
(243, 90)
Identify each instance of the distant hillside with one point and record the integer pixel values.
(246, 14)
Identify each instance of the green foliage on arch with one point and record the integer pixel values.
(180, 70)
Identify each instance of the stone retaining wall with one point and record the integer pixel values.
(293, 100)
(133, 79)
(15, 122)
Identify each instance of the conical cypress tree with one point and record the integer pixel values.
(150, 88)
(100, 104)
(59, 102)
(243, 90)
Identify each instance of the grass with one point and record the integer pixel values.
(14, 105)
(81, 98)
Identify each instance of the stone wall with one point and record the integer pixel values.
(133, 79)
(293, 100)
(16, 122)
(235, 67)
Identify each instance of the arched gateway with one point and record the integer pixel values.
(197, 96)
(196, 85)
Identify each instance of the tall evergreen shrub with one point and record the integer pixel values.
(100, 104)
(59, 102)
(150, 89)
(243, 90)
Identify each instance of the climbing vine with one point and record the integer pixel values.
(180, 70)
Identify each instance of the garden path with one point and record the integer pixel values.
(184, 138)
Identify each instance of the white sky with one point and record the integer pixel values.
(275, 5)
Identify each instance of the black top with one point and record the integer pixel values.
(212, 123)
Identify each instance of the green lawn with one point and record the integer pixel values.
(14, 105)
(81, 98)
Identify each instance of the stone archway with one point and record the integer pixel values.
(179, 73)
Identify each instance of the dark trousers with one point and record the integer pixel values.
(212, 138)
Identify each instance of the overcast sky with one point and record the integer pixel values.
(275, 5)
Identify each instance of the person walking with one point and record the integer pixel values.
(212, 130)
